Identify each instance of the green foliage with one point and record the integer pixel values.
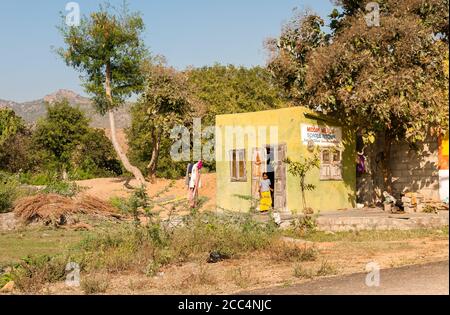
(301, 169)
(288, 61)
(304, 225)
(10, 124)
(95, 157)
(166, 102)
(59, 133)
(9, 191)
(107, 44)
(42, 178)
(14, 142)
(63, 141)
(63, 188)
(210, 91)
(390, 79)
(4, 279)
(34, 271)
(139, 201)
(230, 89)
(148, 248)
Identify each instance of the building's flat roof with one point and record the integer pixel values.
(301, 109)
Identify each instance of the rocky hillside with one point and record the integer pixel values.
(32, 111)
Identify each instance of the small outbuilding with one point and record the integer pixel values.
(250, 144)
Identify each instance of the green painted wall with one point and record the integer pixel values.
(328, 196)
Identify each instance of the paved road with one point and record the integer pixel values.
(426, 279)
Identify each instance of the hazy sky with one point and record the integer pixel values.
(187, 32)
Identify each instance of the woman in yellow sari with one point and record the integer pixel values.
(265, 194)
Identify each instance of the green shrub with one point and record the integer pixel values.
(34, 271)
(63, 188)
(120, 204)
(148, 248)
(139, 201)
(38, 179)
(4, 279)
(304, 225)
(9, 192)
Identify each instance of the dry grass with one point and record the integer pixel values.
(52, 209)
(324, 269)
(302, 272)
(241, 278)
(282, 251)
(95, 284)
(202, 277)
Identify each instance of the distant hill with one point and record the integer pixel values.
(32, 111)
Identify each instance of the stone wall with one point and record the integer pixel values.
(412, 171)
(416, 171)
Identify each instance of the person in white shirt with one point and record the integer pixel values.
(194, 184)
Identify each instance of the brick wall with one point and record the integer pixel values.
(416, 171)
(412, 171)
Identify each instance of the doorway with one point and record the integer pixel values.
(269, 159)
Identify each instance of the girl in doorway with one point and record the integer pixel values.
(265, 193)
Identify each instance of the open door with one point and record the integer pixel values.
(258, 168)
(280, 200)
(272, 162)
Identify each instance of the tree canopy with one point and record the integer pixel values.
(167, 101)
(107, 43)
(107, 48)
(389, 80)
(230, 89)
(60, 132)
(10, 124)
(14, 141)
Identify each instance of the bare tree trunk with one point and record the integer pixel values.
(122, 156)
(65, 176)
(387, 173)
(152, 166)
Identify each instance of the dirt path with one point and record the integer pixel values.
(428, 279)
(106, 188)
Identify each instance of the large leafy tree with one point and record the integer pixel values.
(167, 101)
(388, 81)
(14, 141)
(288, 54)
(107, 48)
(59, 133)
(95, 156)
(230, 89)
(10, 124)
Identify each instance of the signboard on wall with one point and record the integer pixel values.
(443, 168)
(321, 135)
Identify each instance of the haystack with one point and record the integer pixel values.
(51, 209)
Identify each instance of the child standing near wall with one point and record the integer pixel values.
(265, 193)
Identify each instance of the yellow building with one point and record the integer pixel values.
(250, 144)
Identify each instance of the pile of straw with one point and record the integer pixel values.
(52, 209)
